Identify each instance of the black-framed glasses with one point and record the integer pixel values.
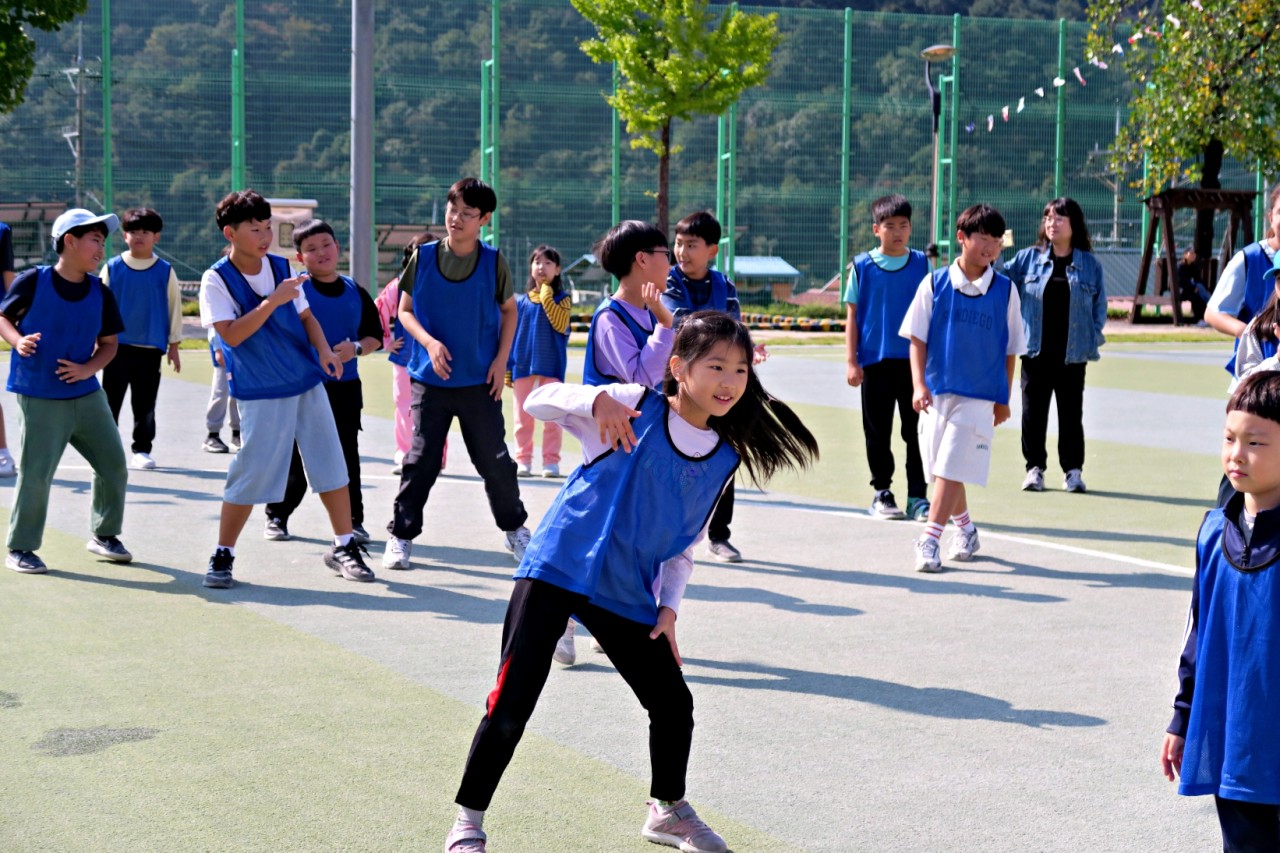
(666, 252)
(465, 215)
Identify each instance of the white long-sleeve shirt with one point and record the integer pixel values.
(570, 407)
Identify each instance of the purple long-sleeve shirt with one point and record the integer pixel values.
(617, 353)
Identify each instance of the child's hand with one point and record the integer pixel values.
(345, 351)
(667, 625)
(1171, 756)
(27, 344)
(652, 295)
(440, 358)
(286, 291)
(175, 360)
(497, 373)
(759, 355)
(614, 420)
(217, 358)
(69, 371)
(1002, 413)
(395, 346)
(331, 363)
(920, 399)
(853, 375)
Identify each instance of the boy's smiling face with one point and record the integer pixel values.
(464, 223)
(320, 253)
(694, 255)
(1251, 459)
(83, 254)
(250, 239)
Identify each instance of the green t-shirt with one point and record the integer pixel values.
(457, 268)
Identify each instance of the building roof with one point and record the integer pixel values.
(763, 266)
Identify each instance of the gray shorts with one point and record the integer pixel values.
(268, 429)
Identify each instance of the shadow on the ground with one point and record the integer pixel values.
(940, 702)
(776, 600)
(1053, 533)
(1100, 580)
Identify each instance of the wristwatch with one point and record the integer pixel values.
(359, 348)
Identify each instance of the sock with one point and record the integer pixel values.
(963, 522)
(229, 548)
(933, 530)
(668, 805)
(342, 539)
(469, 817)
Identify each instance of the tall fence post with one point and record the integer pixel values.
(846, 110)
(108, 190)
(362, 258)
(237, 103)
(1260, 212)
(615, 166)
(1060, 116)
(495, 123)
(727, 185)
(954, 121)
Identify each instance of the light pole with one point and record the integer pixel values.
(930, 55)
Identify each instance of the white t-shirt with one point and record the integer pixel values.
(1228, 293)
(216, 304)
(570, 406)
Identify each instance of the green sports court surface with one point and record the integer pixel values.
(844, 702)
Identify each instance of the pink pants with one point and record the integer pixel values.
(551, 433)
(402, 396)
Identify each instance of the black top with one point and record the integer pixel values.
(370, 322)
(1057, 312)
(17, 302)
(6, 251)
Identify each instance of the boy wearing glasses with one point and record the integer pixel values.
(458, 303)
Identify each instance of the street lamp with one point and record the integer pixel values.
(930, 55)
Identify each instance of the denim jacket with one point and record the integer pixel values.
(1030, 270)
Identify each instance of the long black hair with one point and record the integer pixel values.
(1071, 209)
(1264, 324)
(550, 253)
(764, 431)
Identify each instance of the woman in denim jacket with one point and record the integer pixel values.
(1064, 307)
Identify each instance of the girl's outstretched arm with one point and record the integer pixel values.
(572, 407)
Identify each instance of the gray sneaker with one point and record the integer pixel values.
(26, 562)
(1034, 481)
(1074, 482)
(219, 574)
(884, 506)
(517, 541)
(360, 535)
(927, 559)
(276, 530)
(345, 560)
(213, 444)
(963, 546)
(109, 548)
(721, 550)
(681, 827)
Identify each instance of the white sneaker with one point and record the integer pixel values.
(1034, 481)
(397, 554)
(551, 471)
(142, 461)
(524, 469)
(963, 546)
(566, 652)
(927, 559)
(7, 467)
(1074, 481)
(516, 541)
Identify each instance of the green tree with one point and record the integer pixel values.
(18, 50)
(1207, 75)
(675, 60)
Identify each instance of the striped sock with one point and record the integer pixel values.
(963, 522)
(933, 530)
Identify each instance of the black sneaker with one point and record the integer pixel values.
(219, 574)
(235, 439)
(26, 562)
(109, 548)
(277, 530)
(359, 535)
(345, 560)
(214, 444)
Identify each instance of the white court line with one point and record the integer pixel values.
(857, 514)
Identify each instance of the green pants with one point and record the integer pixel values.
(48, 426)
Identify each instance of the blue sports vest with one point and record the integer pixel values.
(1256, 291)
(67, 330)
(538, 350)
(339, 319)
(143, 299)
(277, 361)
(621, 515)
(969, 340)
(717, 299)
(883, 300)
(1232, 749)
(593, 373)
(462, 315)
(405, 354)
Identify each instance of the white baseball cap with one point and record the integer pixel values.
(77, 217)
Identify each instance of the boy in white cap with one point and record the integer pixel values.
(62, 324)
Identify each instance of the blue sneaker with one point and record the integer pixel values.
(918, 509)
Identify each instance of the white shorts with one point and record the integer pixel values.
(955, 439)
